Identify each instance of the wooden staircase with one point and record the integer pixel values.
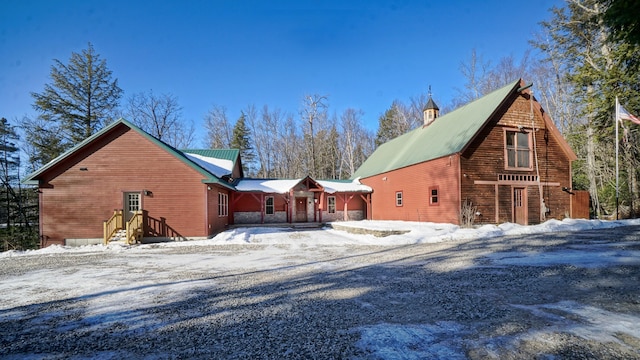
(130, 232)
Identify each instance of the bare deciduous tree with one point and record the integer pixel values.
(314, 111)
(160, 116)
(218, 127)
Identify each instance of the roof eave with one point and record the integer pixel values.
(31, 178)
(515, 86)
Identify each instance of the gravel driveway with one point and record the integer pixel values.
(548, 296)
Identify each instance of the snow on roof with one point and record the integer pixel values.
(283, 186)
(217, 167)
(331, 186)
(267, 185)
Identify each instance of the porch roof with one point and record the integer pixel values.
(283, 186)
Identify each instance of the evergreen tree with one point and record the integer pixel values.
(10, 163)
(241, 139)
(599, 68)
(17, 232)
(43, 141)
(622, 17)
(80, 100)
(391, 124)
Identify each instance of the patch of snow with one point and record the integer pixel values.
(394, 341)
(594, 323)
(418, 232)
(342, 186)
(581, 258)
(267, 186)
(280, 186)
(217, 167)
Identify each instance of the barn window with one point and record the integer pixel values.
(223, 204)
(399, 198)
(331, 204)
(518, 150)
(434, 196)
(269, 207)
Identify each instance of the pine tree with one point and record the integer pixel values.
(391, 124)
(17, 232)
(43, 141)
(80, 100)
(599, 68)
(241, 139)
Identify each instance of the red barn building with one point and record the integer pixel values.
(500, 157)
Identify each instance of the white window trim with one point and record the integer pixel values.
(267, 206)
(223, 204)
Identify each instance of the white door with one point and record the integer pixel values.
(131, 204)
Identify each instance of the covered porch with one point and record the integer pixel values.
(298, 201)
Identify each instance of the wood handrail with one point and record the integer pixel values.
(111, 226)
(135, 227)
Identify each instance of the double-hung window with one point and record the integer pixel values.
(223, 204)
(269, 206)
(398, 198)
(331, 204)
(518, 150)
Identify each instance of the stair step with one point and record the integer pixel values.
(120, 235)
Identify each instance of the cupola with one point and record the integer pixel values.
(430, 110)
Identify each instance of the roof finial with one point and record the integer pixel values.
(429, 90)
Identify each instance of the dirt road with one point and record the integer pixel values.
(548, 296)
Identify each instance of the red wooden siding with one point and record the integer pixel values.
(74, 203)
(216, 223)
(251, 202)
(414, 182)
(484, 159)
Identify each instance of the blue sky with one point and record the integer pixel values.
(362, 54)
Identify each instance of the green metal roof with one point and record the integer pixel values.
(226, 154)
(448, 134)
(207, 176)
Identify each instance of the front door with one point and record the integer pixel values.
(520, 206)
(131, 204)
(301, 209)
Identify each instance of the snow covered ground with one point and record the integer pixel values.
(561, 289)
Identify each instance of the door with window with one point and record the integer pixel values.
(301, 209)
(132, 203)
(520, 206)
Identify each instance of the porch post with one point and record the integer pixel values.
(320, 204)
(232, 202)
(345, 208)
(261, 208)
(497, 205)
(290, 211)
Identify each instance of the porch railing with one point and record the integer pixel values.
(111, 226)
(135, 228)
